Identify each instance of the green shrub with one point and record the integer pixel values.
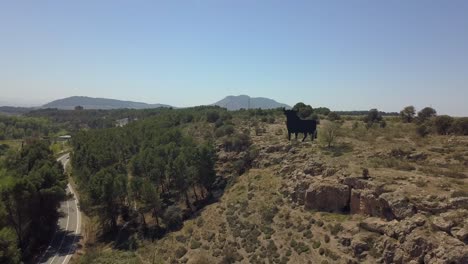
(423, 130)
(173, 217)
(335, 229)
(316, 244)
(236, 142)
(195, 244)
(268, 213)
(219, 123)
(460, 126)
(442, 124)
(224, 130)
(320, 223)
(308, 234)
(180, 252)
(212, 116)
(333, 116)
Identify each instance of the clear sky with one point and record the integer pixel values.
(341, 54)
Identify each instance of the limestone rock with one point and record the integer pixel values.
(442, 224)
(447, 250)
(396, 206)
(416, 246)
(373, 224)
(460, 233)
(359, 248)
(459, 202)
(327, 196)
(364, 202)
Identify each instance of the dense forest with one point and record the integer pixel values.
(19, 127)
(147, 168)
(32, 185)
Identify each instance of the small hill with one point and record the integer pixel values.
(244, 101)
(98, 103)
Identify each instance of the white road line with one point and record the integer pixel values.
(78, 224)
(64, 235)
(55, 231)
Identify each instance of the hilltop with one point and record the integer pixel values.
(244, 101)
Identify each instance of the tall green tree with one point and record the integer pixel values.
(304, 111)
(108, 194)
(443, 124)
(426, 113)
(32, 187)
(407, 114)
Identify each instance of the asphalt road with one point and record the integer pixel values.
(67, 234)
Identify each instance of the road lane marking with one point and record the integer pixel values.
(55, 231)
(78, 225)
(63, 238)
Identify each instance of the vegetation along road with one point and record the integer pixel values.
(64, 242)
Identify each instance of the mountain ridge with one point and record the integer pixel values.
(231, 102)
(98, 103)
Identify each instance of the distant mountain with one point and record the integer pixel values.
(244, 101)
(98, 103)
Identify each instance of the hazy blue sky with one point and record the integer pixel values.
(341, 54)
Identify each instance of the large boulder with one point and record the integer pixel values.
(442, 224)
(375, 225)
(416, 246)
(327, 196)
(298, 192)
(460, 233)
(395, 205)
(364, 202)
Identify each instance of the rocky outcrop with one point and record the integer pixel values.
(445, 249)
(364, 202)
(375, 225)
(459, 202)
(327, 196)
(395, 205)
(360, 248)
(442, 224)
(298, 193)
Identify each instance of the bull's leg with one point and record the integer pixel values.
(305, 136)
(296, 135)
(289, 136)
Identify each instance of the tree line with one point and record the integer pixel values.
(32, 185)
(428, 121)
